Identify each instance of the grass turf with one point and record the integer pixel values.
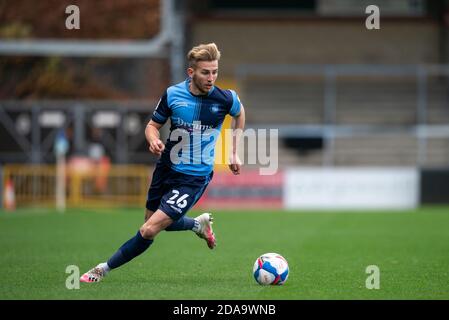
(328, 253)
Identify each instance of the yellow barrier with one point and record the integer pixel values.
(221, 154)
(121, 185)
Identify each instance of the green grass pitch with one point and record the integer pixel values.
(328, 253)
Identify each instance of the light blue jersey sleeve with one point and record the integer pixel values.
(236, 105)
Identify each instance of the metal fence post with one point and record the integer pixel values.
(79, 124)
(330, 105)
(35, 136)
(421, 112)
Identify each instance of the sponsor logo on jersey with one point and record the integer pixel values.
(181, 104)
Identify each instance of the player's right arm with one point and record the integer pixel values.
(152, 135)
(160, 116)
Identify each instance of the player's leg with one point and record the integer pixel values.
(205, 220)
(182, 224)
(176, 193)
(155, 224)
(157, 189)
(148, 214)
(190, 189)
(154, 219)
(138, 243)
(141, 241)
(201, 225)
(205, 230)
(131, 248)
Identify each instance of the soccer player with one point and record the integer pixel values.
(196, 108)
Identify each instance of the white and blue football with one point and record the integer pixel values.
(270, 269)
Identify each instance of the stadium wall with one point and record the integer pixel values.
(336, 188)
(298, 188)
(316, 188)
(297, 41)
(247, 190)
(434, 186)
(348, 188)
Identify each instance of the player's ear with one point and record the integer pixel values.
(190, 72)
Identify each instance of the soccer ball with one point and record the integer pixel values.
(270, 268)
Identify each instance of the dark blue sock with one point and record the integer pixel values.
(185, 223)
(129, 250)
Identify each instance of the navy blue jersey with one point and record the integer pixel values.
(196, 122)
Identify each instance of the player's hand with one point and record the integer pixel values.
(235, 164)
(156, 147)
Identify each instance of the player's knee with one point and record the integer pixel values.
(148, 231)
(148, 214)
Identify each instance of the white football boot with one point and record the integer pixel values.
(93, 275)
(206, 232)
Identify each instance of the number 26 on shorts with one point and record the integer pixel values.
(181, 202)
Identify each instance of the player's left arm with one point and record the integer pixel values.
(237, 125)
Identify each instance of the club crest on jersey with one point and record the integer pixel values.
(214, 108)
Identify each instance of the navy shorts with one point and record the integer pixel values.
(174, 192)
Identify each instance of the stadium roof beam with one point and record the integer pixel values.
(151, 48)
(95, 48)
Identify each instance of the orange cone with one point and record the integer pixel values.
(9, 197)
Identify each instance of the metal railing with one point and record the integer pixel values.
(119, 185)
(29, 129)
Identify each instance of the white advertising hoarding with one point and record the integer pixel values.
(351, 188)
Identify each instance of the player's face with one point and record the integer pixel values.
(203, 76)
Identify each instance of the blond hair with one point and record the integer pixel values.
(203, 52)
